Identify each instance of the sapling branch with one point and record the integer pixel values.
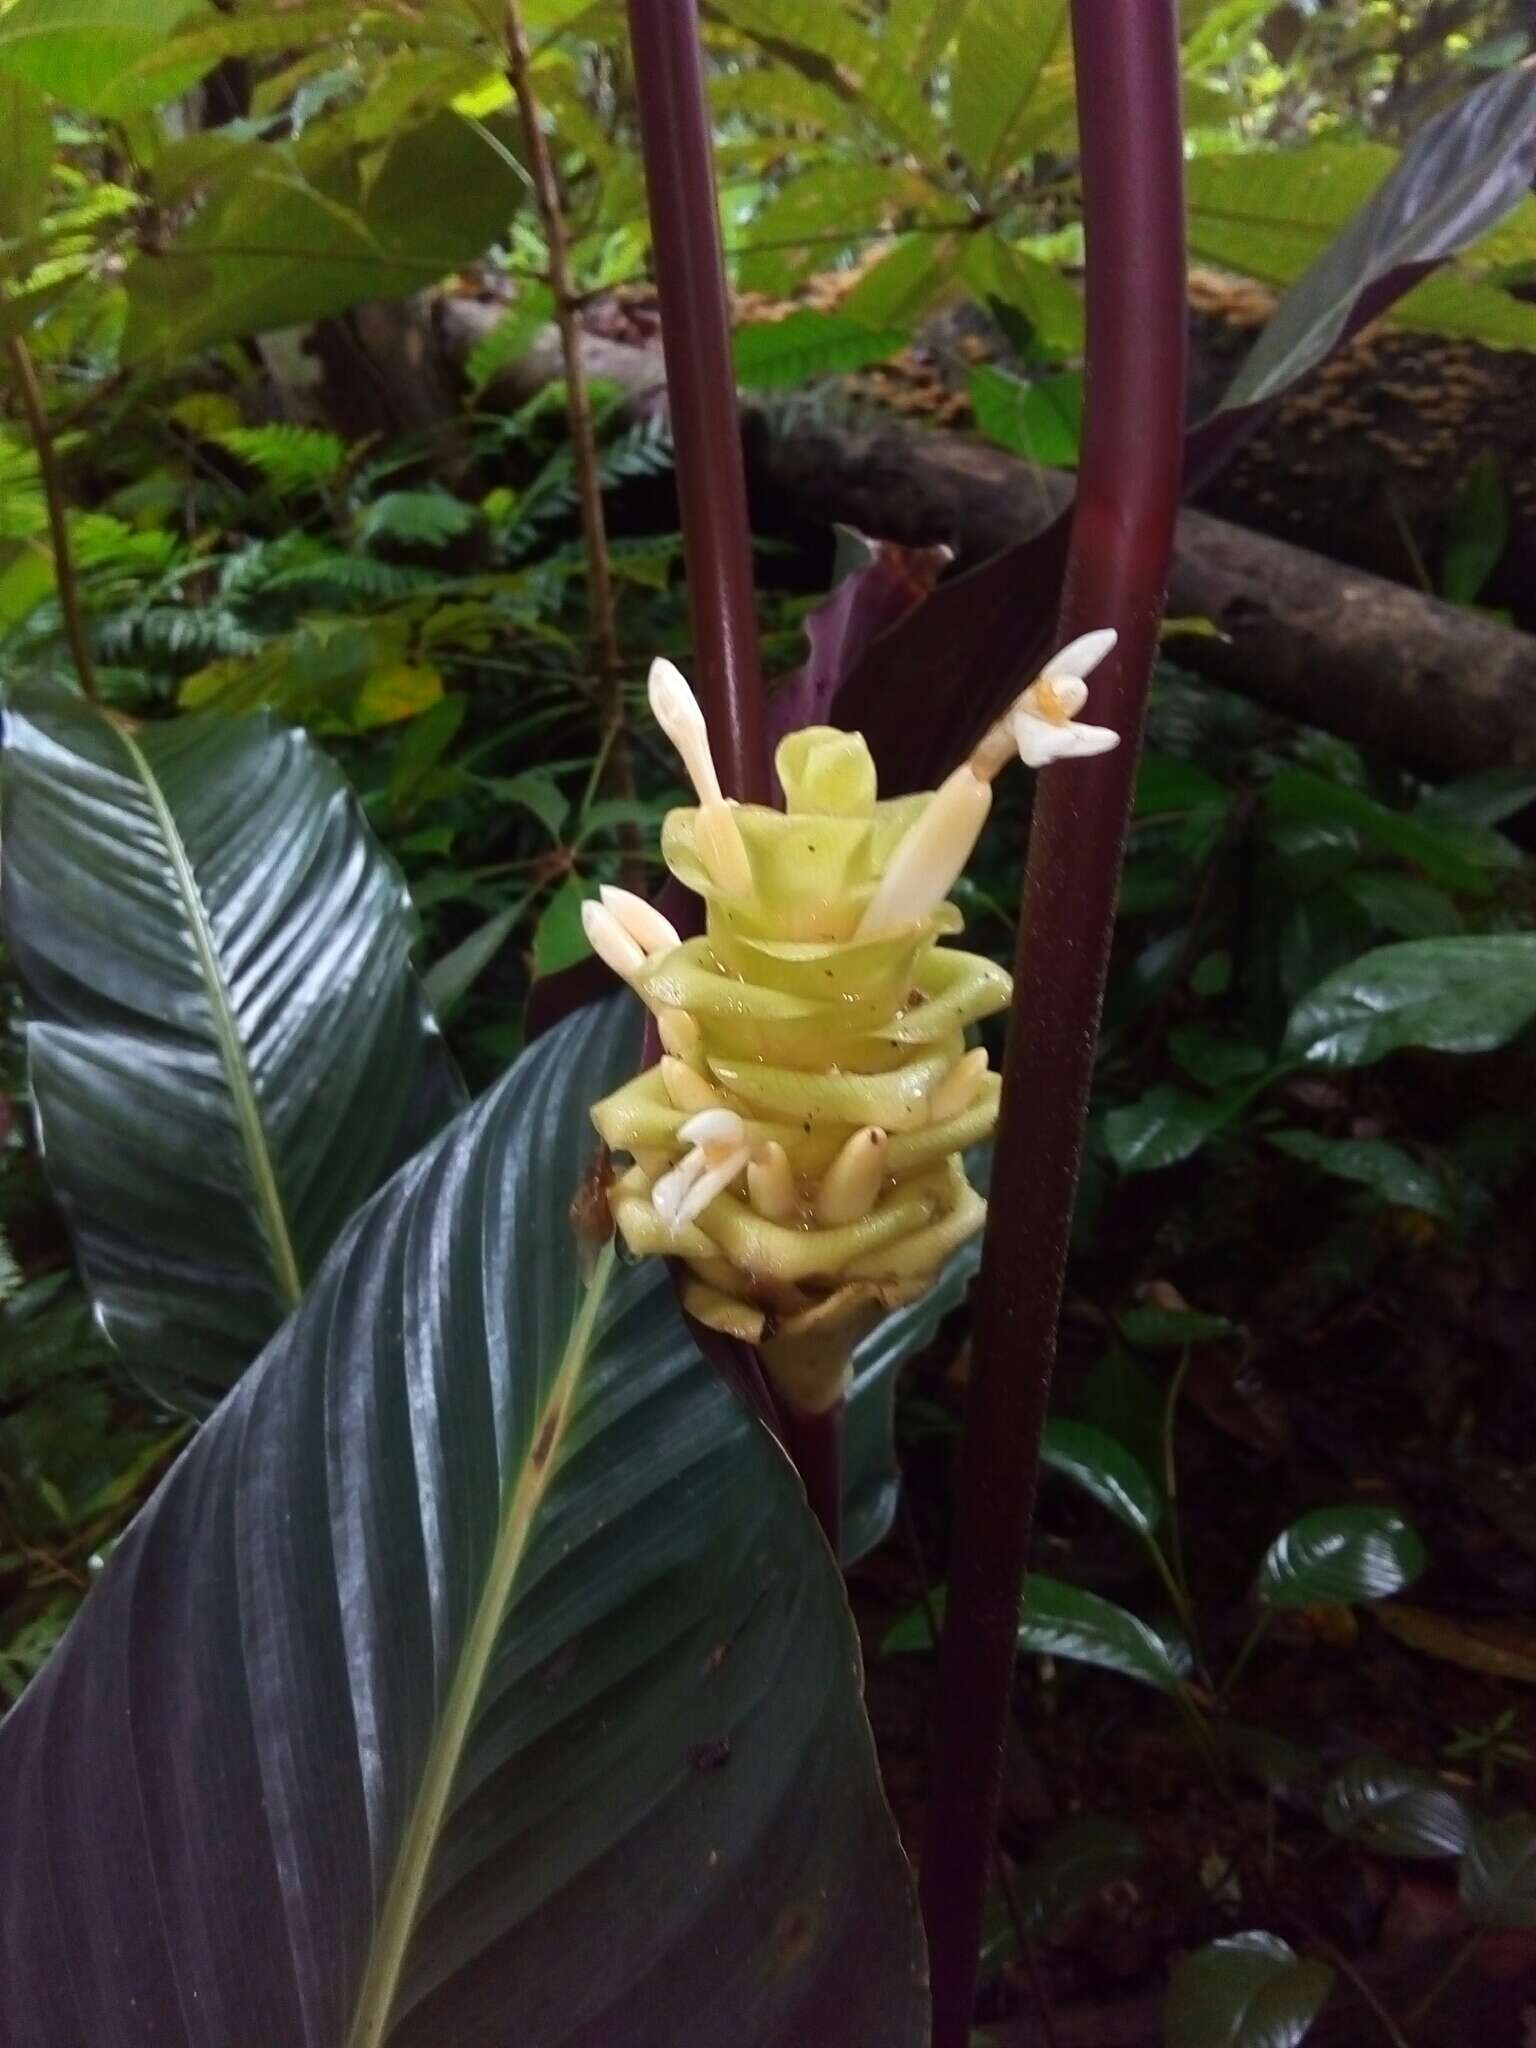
(613, 745)
(32, 404)
(1128, 113)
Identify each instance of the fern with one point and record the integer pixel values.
(176, 633)
(511, 337)
(346, 579)
(425, 519)
(291, 460)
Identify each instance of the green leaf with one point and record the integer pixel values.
(26, 156)
(1215, 1060)
(559, 940)
(1170, 1329)
(1079, 1860)
(1042, 421)
(804, 345)
(1314, 799)
(449, 979)
(497, 1686)
(994, 269)
(82, 51)
(536, 790)
(1245, 1991)
(1335, 1557)
(1093, 1460)
(1001, 52)
(1167, 782)
(1065, 1621)
(291, 459)
(1402, 904)
(1396, 1811)
(1372, 1163)
(1497, 1879)
(905, 284)
(1487, 798)
(228, 1049)
(1450, 995)
(284, 239)
(1165, 1126)
(1478, 533)
(512, 336)
(423, 519)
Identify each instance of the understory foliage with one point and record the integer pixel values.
(276, 903)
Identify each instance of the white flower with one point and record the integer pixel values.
(1041, 721)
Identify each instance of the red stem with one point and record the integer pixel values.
(1128, 492)
(676, 142)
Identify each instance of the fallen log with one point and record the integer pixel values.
(1441, 690)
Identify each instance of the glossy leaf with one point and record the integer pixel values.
(477, 1675)
(1450, 995)
(1246, 1991)
(1442, 851)
(1396, 1811)
(1497, 1879)
(228, 1049)
(1165, 1126)
(871, 1476)
(1335, 1557)
(1093, 1460)
(1065, 1621)
(1387, 1170)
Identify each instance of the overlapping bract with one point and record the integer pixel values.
(844, 1058)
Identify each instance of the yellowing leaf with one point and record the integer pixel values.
(395, 694)
(206, 412)
(1496, 1649)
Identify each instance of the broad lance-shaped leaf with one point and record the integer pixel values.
(478, 1675)
(1336, 1556)
(1395, 1810)
(229, 1051)
(1246, 1991)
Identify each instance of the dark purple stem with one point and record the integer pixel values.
(676, 142)
(815, 1447)
(1128, 113)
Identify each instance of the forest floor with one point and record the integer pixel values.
(1369, 1362)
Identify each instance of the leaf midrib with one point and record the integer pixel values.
(402, 1903)
(237, 1072)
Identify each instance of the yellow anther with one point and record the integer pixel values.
(771, 1183)
(852, 1182)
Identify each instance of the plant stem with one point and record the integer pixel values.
(58, 520)
(675, 140)
(618, 773)
(1171, 1493)
(1447, 1976)
(1128, 113)
(1239, 1663)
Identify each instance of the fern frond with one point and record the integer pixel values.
(425, 519)
(290, 459)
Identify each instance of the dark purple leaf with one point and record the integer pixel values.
(452, 1534)
(1457, 178)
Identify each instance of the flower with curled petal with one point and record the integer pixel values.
(799, 1144)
